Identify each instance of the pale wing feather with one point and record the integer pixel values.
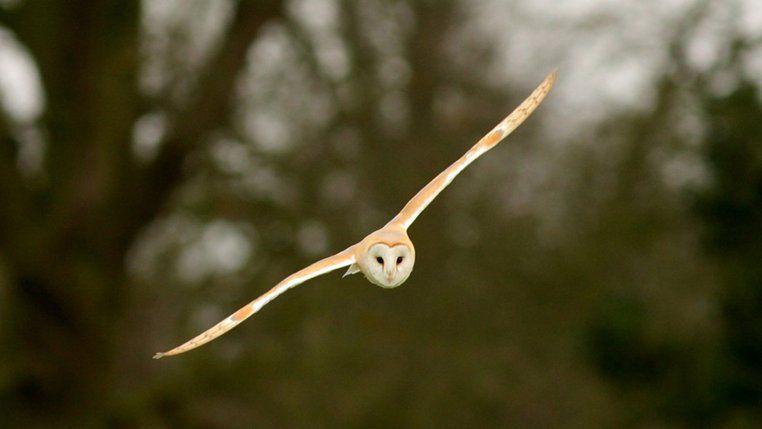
(339, 260)
(425, 196)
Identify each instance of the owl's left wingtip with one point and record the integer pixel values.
(158, 355)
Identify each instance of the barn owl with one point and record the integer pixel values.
(386, 256)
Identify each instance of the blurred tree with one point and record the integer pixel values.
(65, 234)
(712, 380)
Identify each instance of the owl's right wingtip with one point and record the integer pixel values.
(552, 75)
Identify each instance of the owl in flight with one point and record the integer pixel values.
(385, 256)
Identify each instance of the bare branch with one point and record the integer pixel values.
(207, 110)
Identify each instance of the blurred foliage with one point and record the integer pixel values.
(731, 209)
(183, 156)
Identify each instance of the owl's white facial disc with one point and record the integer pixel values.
(387, 266)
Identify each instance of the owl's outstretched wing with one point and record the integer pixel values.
(425, 196)
(339, 260)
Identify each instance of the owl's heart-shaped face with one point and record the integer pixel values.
(387, 266)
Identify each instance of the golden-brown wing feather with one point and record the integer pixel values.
(425, 196)
(339, 260)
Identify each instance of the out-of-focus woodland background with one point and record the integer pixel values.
(164, 162)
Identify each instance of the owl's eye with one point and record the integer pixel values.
(380, 260)
(399, 260)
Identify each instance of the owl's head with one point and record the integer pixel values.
(387, 265)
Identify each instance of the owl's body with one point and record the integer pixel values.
(386, 256)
